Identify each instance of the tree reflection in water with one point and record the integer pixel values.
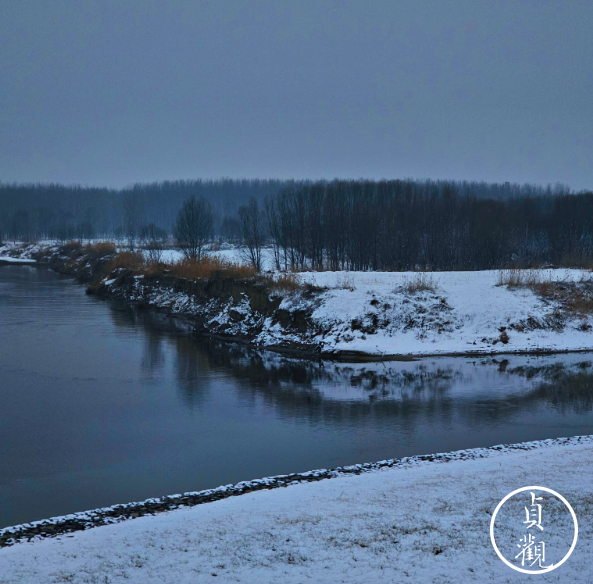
(481, 391)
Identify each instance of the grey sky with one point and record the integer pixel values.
(113, 92)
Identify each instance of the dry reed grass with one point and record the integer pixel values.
(283, 283)
(421, 282)
(345, 282)
(573, 295)
(517, 278)
(128, 260)
(204, 269)
(541, 280)
(210, 267)
(101, 248)
(71, 246)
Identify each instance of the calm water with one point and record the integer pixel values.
(103, 404)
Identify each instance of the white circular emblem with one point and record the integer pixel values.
(529, 544)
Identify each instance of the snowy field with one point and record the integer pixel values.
(465, 313)
(426, 523)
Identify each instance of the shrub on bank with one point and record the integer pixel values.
(128, 260)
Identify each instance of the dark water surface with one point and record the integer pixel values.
(101, 404)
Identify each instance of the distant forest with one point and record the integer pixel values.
(340, 224)
(53, 211)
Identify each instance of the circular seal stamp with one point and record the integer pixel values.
(529, 544)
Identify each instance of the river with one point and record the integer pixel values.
(103, 403)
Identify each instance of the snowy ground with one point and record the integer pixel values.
(465, 313)
(9, 260)
(229, 253)
(423, 523)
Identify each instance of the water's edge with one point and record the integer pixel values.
(117, 513)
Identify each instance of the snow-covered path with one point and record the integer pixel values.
(426, 523)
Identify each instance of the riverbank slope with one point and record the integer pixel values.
(422, 522)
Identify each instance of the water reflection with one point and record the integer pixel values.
(568, 387)
(153, 356)
(192, 368)
(483, 391)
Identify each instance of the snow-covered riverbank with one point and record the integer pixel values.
(358, 315)
(379, 315)
(423, 522)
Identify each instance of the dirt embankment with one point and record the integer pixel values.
(228, 308)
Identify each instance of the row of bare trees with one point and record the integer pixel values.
(30, 212)
(406, 225)
(368, 225)
(403, 225)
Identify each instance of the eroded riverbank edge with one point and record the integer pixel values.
(82, 521)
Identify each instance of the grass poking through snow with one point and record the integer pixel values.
(421, 282)
(573, 295)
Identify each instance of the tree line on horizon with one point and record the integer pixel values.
(336, 225)
(54, 211)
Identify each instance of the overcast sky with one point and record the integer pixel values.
(105, 92)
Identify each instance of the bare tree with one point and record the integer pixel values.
(252, 232)
(154, 240)
(194, 226)
(272, 217)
